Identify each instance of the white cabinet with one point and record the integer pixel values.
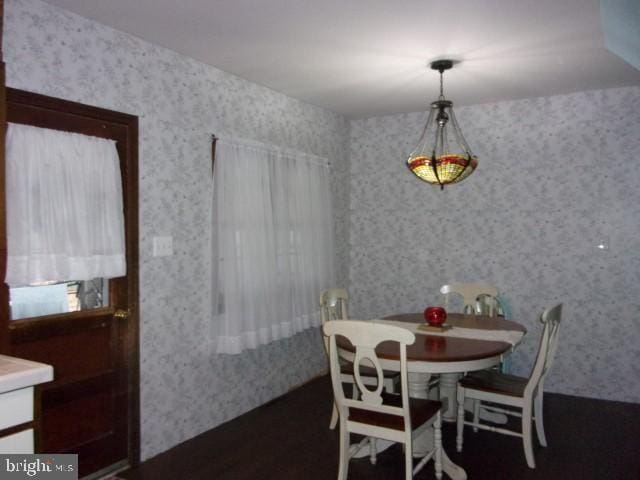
(16, 407)
(17, 378)
(20, 442)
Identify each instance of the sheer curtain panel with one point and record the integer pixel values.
(64, 207)
(272, 244)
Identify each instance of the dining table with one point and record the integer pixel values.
(468, 343)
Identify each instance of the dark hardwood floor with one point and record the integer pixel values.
(289, 438)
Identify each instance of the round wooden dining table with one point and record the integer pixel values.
(447, 356)
(450, 356)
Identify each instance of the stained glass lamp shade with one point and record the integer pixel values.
(442, 155)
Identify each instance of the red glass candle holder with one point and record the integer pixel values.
(435, 316)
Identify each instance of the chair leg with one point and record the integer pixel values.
(537, 413)
(526, 435)
(437, 433)
(343, 469)
(460, 420)
(476, 413)
(334, 417)
(408, 458)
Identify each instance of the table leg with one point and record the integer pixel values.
(448, 392)
(418, 388)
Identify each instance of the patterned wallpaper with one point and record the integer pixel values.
(557, 177)
(180, 103)
(546, 193)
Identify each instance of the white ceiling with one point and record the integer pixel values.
(365, 58)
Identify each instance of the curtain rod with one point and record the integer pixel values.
(214, 140)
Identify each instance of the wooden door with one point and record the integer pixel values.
(92, 406)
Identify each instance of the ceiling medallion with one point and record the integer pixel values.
(442, 155)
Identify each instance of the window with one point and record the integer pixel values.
(273, 244)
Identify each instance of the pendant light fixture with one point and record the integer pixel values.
(442, 155)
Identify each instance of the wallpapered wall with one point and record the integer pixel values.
(557, 177)
(550, 187)
(180, 103)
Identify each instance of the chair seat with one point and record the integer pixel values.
(495, 382)
(421, 410)
(347, 368)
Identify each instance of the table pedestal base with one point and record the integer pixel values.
(448, 392)
(419, 388)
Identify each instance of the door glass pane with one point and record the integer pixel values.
(61, 297)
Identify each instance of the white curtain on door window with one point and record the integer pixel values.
(65, 216)
(272, 244)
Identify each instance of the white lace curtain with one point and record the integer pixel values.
(272, 244)
(65, 216)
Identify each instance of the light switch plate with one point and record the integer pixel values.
(162, 246)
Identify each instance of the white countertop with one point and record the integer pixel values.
(16, 373)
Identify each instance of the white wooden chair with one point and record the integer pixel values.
(333, 306)
(397, 418)
(477, 298)
(523, 393)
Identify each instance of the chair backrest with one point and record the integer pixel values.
(333, 306)
(477, 298)
(548, 343)
(365, 336)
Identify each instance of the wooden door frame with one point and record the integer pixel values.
(4, 290)
(33, 110)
